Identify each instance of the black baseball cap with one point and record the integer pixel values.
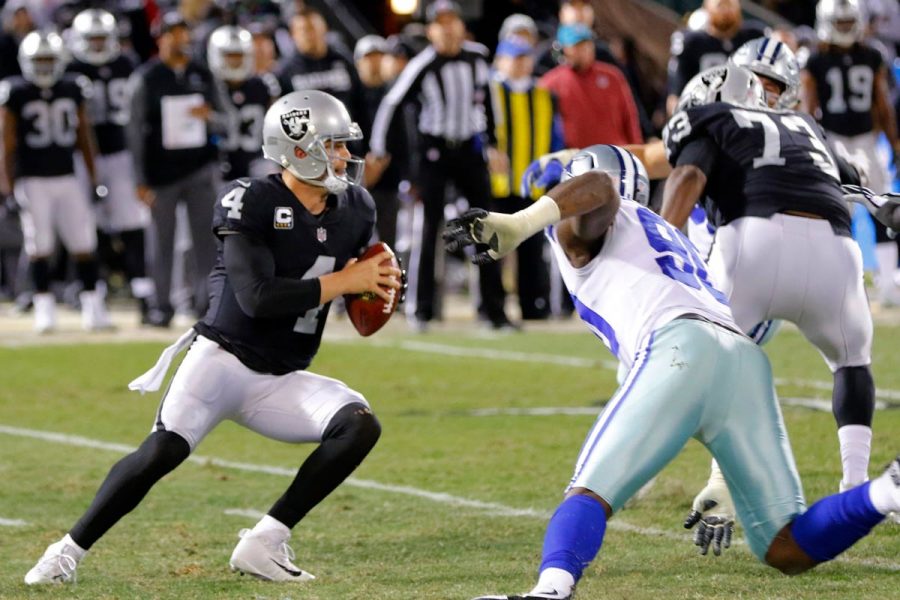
(439, 7)
(167, 22)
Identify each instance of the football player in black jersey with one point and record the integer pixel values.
(845, 85)
(230, 57)
(783, 249)
(695, 51)
(95, 45)
(44, 123)
(287, 246)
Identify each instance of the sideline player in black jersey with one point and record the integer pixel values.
(783, 249)
(230, 57)
(95, 45)
(286, 248)
(695, 51)
(44, 123)
(845, 85)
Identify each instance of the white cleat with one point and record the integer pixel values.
(94, 316)
(44, 312)
(57, 565)
(266, 555)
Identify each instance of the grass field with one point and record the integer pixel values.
(452, 502)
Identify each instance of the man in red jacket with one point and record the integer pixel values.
(595, 101)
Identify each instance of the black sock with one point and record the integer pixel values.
(128, 482)
(853, 398)
(40, 275)
(88, 272)
(135, 263)
(350, 436)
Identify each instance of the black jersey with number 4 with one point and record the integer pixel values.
(108, 107)
(303, 246)
(46, 123)
(845, 82)
(759, 162)
(243, 144)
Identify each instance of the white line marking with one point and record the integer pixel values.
(493, 354)
(573, 361)
(12, 523)
(593, 411)
(244, 512)
(491, 508)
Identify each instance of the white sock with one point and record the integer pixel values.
(554, 579)
(856, 445)
(884, 494)
(886, 254)
(268, 523)
(78, 552)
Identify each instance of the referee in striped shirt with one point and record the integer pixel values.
(450, 81)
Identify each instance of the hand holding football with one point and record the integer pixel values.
(367, 311)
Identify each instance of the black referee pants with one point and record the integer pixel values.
(465, 166)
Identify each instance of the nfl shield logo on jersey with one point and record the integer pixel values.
(294, 123)
(284, 217)
(321, 234)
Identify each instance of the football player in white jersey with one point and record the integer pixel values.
(642, 289)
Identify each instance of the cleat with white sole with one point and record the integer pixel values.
(57, 565)
(266, 555)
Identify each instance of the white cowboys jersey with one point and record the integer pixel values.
(646, 274)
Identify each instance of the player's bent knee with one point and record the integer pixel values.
(785, 555)
(357, 423)
(162, 451)
(583, 491)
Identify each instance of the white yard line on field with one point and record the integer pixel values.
(543, 411)
(12, 522)
(572, 361)
(489, 508)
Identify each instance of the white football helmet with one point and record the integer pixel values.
(226, 44)
(43, 58)
(839, 22)
(626, 171)
(725, 83)
(299, 133)
(95, 37)
(773, 59)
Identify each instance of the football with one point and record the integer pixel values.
(368, 312)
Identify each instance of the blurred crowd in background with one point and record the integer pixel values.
(454, 100)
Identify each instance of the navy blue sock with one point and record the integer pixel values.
(835, 523)
(574, 535)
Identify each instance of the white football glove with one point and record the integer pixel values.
(502, 233)
(713, 513)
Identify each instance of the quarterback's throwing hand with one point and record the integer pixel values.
(713, 516)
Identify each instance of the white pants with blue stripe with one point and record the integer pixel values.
(696, 379)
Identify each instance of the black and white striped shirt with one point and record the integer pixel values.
(451, 91)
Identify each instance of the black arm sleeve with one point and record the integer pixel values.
(251, 270)
(701, 153)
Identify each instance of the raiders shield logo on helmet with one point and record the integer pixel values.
(295, 123)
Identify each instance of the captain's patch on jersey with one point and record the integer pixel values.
(284, 217)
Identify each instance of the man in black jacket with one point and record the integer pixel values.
(176, 107)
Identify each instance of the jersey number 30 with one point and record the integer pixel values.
(679, 259)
